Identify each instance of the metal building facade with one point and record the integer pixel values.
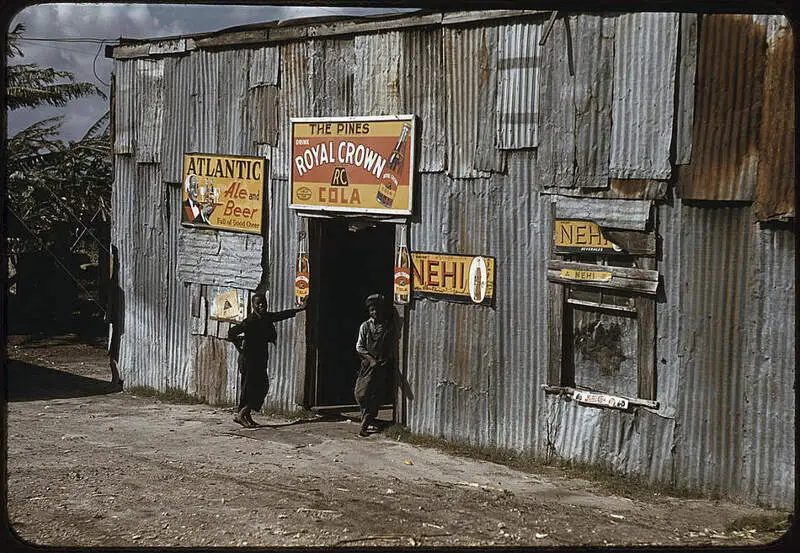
(517, 110)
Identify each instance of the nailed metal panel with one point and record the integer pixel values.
(377, 72)
(294, 100)
(687, 70)
(622, 214)
(775, 190)
(178, 304)
(124, 107)
(219, 258)
(332, 64)
(205, 93)
(284, 226)
(262, 114)
(730, 71)
(645, 46)
(487, 156)
(123, 221)
(149, 106)
(521, 240)
(232, 124)
(518, 65)
(178, 75)
(594, 69)
(555, 156)
(768, 471)
(717, 265)
(422, 91)
(264, 66)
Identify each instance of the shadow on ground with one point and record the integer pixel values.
(29, 382)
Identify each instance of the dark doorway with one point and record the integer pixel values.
(351, 259)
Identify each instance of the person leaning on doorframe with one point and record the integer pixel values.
(375, 346)
(251, 337)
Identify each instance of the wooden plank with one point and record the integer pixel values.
(555, 308)
(616, 282)
(646, 339)
(629, 273)
(457, 18)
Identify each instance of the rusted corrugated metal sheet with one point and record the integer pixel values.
(262, 114)
(727, 109)
(645, 54)
(555, 156)
(178, 308)
(264, 67)
(621, 214)
(333, 65)
(687, 69)
(775, 192)
(518, 65)
(594, 70)
(717, 253)
(769, 388)
(178, 75)
(421, 93)
(149, 106)
(469, 61)
(205, 94)
(377, 70)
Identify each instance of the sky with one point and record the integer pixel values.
(109, 22)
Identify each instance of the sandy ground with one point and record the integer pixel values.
(91, 466)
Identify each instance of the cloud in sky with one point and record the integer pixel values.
(87, 61)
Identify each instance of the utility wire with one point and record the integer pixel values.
(86, 229)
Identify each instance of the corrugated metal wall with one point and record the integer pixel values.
(489, 172)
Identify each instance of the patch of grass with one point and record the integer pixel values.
(606, 479)
(298, 414)
(778, 522)
(170, 395)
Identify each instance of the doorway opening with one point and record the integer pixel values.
(350, 259)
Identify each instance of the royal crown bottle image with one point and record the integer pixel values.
(402, 272)
(388, 186)
(301, 278)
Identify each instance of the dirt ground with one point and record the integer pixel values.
(92, 466)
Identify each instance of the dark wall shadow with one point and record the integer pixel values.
(28, 382)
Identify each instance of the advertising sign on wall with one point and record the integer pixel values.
(226, 304)
(458, 278)
(353, 164)
(223, 192)
(571, 236)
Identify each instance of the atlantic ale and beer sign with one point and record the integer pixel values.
(353, 164)
(223, 192)
(457, 278)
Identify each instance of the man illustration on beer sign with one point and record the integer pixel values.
(353, 164)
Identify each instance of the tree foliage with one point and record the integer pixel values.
(56, 188)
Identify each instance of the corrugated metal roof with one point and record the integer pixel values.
(518, 66)
(727, 109)
(777, 181)
(645, 60)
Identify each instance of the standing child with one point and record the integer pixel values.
(375, 346)
(258, 329)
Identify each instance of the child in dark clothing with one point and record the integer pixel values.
(256, 331)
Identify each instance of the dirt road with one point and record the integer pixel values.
(89, 466)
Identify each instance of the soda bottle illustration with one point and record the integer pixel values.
(402, 272)
(301, 278)
(388, 187)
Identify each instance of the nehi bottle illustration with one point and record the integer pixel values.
(388, 186)
(402, 272)
(301, 278)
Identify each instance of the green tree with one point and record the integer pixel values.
(57, 189)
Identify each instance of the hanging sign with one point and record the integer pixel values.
(227, 304)
(302, 273)
(457, 278)
(353, 164)
(593, 276)
(570, 236)
(223, 192)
